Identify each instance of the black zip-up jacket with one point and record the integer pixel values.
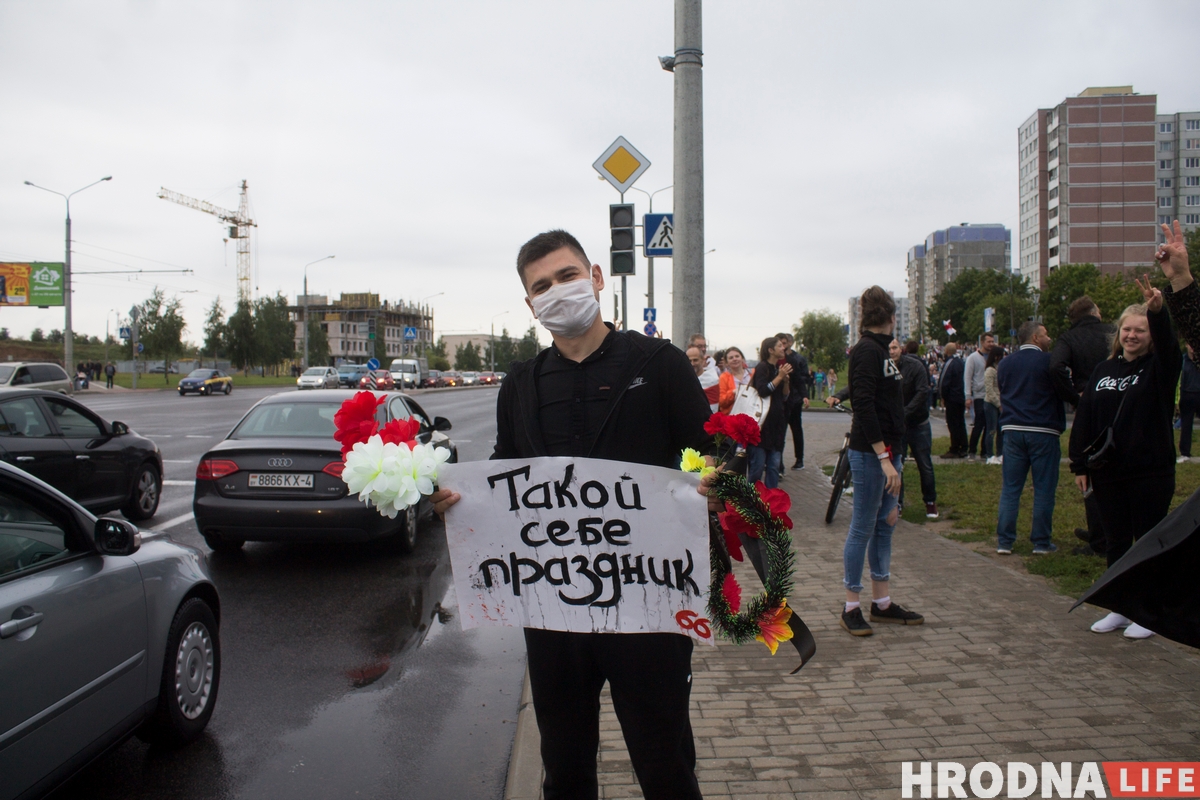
(1144, 438)
(1076, 353)
(915, 388)
(659, 410)
(801, 379)
(875, 393)
(950, 384)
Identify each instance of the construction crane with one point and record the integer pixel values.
(239, 229)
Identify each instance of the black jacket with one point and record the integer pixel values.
(1076, 353)
(801, 379)
(659, 410)
(950, 384)
(915, 388)
(875, 394)
(1144, 438)
(774, 425)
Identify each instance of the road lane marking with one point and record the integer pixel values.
(199, 436)
(171, 523)
(179, 483)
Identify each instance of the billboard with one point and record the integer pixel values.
(32, 283)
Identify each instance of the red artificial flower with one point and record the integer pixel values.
(733, 522)
(717, 424)
(744, 430)
(732, 593)
(400, 431)
(355, 420)
(778, 502)
(733, 544)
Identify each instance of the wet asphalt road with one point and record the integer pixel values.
(344, 670)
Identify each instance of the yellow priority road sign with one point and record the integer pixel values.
(621, 164)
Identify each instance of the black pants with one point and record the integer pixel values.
(919, 439)
(1189, 404)
(650, 675)
(980, 425)
(108, 381)
(957, 424)
(1130, 507)
(795, 422)
(1095, 523)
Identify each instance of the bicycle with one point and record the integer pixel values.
(841, 474)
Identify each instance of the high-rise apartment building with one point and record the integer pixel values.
(1177, 152)
(944, 256)
(1087, 182)
(854, 316)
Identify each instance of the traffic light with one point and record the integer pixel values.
(371, 329)
(620, 222)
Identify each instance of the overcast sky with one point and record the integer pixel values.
(422, 143)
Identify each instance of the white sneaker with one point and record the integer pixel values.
(1182, 460)
(993, 460)
(1111, 623)
(1135, 631)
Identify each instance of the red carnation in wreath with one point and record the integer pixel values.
(740, 427)
(355, 420)
(732, 593)
(778, 502)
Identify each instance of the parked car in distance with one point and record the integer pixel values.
(318, 378)
(383, 380)
(277, 476)
(350, 374)
(488, 379)
(500, 376)
(451, 378)
(205, 381)
(158, 369)
(470, 378)
(101, 465)
(105, 632)
(29, 374)
(432, 380)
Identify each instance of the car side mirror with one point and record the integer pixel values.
(119, 428)
(441, 424)
(116, 537)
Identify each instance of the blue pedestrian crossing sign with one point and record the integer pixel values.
(373, 363)
(410, 333)
(659, 230)
(126, 333)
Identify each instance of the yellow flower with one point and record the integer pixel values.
(707, 471)
(774, 626)
(692, 461)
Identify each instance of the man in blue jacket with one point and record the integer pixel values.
(955, 401)
(1032, 419)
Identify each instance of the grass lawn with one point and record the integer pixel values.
(156, 381)
(969, 496)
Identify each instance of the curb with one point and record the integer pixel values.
(525, 764)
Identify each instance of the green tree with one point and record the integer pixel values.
(436, 355)
(239, 336)
(1063, 286)
(318, 343)
(385, 358)
(467, 357)
(529, 346)
(160, 328)
(4, 335)
(55, 337)
(214, 330)
(274, 332)
(963, 300)
(822, 334)
(505, 351)
(37, 335)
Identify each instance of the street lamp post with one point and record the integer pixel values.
(304, 355)
(68, 333)
(649, 259)
(492, 349)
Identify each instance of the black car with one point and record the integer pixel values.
(101, 465)
(206, 381)
(277, 476)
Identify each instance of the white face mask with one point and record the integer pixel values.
(567, 309)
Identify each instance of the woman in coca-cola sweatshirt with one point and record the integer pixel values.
(1134, 393)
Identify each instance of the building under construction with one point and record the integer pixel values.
(354, 322)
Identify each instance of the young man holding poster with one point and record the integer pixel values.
(617, 395)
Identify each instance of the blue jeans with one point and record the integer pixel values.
(1025, 451)
(758, 459)
(870, 535)
(992, 414)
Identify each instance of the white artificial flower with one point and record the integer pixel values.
(426, 461)
(392, 477)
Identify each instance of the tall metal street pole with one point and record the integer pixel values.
(649, 259)
(687, 269)
(68, 332)
(304, 355)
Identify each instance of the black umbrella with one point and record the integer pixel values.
(1156, 584)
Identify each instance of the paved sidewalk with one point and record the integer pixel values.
(998, 672)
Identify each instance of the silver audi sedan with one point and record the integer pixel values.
(105, 632)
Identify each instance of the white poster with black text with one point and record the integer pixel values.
(577, 544)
